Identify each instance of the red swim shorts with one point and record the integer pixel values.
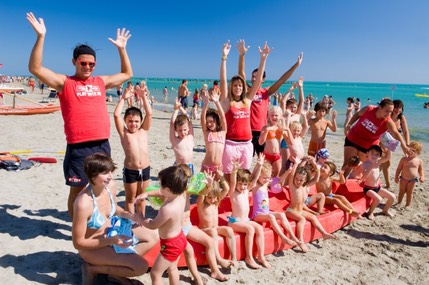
(172, 248)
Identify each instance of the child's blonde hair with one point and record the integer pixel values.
(418, 146)
(279, 111)
(295, 124)
(216, 191)
(267, 167)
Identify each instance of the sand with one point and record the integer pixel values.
(35, 229)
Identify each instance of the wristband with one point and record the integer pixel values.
(224, 57)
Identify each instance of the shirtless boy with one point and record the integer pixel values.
(318, 127)
(134, 140)
(173, 181)
(324, 185)
(371, 181)
(183, 143)
(299, 180)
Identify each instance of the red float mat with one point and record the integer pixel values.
(43, 159)
(332, 221)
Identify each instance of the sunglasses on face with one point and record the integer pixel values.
(84, 64)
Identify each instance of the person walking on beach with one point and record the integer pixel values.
(183, 93)
(83, 102)
(261, 100)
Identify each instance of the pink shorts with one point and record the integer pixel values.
(237, 151)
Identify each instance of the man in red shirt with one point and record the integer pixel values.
(83, 102)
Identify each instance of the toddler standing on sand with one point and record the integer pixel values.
(299, 180)
(183, 143)
(239, 220)
(173, 181)
(409, 172)
(134, 140)
(371, 181)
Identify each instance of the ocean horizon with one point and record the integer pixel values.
(368, 93)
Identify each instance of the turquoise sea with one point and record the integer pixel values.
(368, 93)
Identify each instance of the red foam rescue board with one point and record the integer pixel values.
(332, 221)
(44, 159)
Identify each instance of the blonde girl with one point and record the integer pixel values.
(207, 205)
(272, 135)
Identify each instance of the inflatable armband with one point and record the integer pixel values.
(196, 184)
(276, 187)
(155, 202)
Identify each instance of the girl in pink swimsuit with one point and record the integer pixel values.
(213, 124)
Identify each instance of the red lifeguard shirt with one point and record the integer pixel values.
(84, 110)
(238, 124)
(368, 129)
(259, 109)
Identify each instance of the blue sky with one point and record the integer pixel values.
(353, 41)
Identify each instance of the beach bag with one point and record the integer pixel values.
(389, 142)
(121, 226)
(12, 162)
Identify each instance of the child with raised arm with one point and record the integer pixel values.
(324, 185)
(271, 135)
(208, 203)
(183, 143)
(318, 127)
(193, 233)
(134, 140)
(409, 172)
(239, 220)
(168, 221)
(371, 181)
(299, 180)
(261, 209)
(213, 124)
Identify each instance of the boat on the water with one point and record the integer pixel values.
(332, 221)
(29, 110)
(422, 95)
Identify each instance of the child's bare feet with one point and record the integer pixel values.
(371, 217)
(264, 262)
(355, 214)
(235, 263)
(303, 247)
(88, 275)
(288, 241)
(251, 263)
(219, 276)
(387, 213)
(322, 212)
(329, 236)
(224, 263)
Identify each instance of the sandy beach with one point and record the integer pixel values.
(35, 229)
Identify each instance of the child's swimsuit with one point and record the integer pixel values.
(375, 189)
(219, 138)
(186, 228)
(409, 180)
(172, 248)
(260, 203)
(131, 175)
(277, 134)
(232, 220)
(97, 220)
